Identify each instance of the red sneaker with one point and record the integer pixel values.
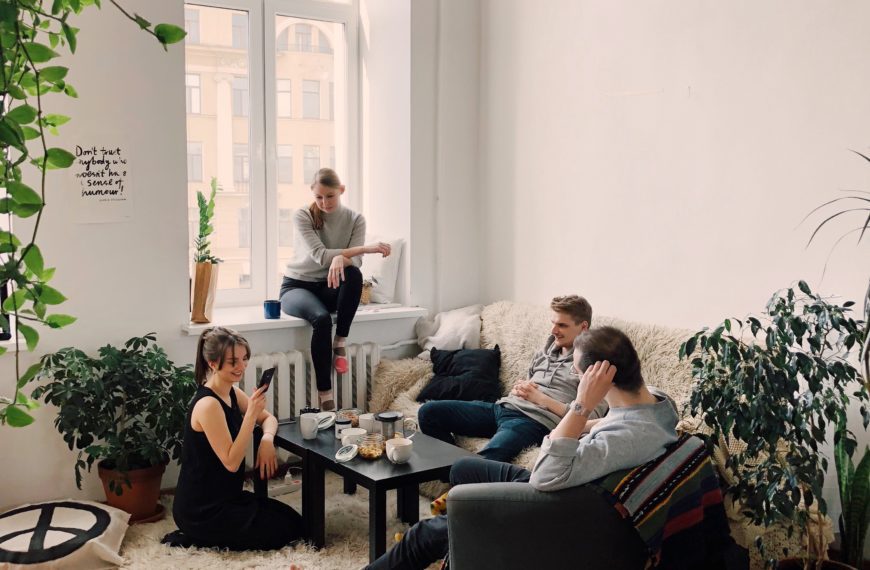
(339, 362)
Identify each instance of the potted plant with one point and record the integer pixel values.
(775, 384)
(854, 486)
(205, 264)
(125, 410)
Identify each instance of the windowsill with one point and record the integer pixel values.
(244, 319)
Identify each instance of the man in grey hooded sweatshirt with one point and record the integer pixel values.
(534, 406)
(639, 427)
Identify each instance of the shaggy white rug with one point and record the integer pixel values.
(347, 544)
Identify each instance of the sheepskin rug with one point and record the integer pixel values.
(347, 543)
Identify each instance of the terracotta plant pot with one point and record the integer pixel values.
(141, 499)
(798, 564)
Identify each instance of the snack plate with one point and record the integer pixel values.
(325, 420)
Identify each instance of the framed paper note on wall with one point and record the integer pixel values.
(102, 189)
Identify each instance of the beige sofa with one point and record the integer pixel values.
(520, 330)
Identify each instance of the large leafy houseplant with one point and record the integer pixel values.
(775, 384)
(125, 407)
(33, 33)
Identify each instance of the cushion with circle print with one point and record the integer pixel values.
(62, 534)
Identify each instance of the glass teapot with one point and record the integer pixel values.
(395, 424)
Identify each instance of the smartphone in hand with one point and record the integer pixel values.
(266, 378)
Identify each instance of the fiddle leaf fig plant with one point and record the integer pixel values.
(125, 407)
(775, 384)
(34, 33)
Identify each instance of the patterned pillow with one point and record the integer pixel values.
(62, 534)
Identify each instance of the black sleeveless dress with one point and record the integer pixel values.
(211, 508)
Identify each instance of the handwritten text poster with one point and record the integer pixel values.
(103, 190)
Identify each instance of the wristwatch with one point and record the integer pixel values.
(577, 408)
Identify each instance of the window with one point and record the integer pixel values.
(282, 43)
(312, 162)
(241, 97)
(285, 227)
(285, 164)
(284, 98)
(310, 99)
(332, 157)
(194, 162)
(261, 71)
(191, 25)
(323, 45)
(244, 227)
(303, 37)
(240, 31)
(191, 82)
(241, 164)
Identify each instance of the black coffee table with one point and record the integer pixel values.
(431, 460)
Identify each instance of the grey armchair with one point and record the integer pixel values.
(511, 525)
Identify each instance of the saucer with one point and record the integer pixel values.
(325, 420)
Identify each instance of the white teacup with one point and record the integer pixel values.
(367, 422)
(352, 436)
(399, 449)
(308, 426)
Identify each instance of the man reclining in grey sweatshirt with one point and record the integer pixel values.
(640, 424)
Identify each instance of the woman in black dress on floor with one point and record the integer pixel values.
(210, 508)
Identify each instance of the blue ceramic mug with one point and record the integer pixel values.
(272, 309)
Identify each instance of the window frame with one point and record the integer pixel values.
(262, 87)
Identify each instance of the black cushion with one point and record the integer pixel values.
(465, 374)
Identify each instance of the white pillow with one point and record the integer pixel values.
(70, 534)
(383, 271)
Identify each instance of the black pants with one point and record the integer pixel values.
(314, 301)
(426, 542)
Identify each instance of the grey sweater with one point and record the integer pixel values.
(627, 437)
(551, 371)
(314, 249)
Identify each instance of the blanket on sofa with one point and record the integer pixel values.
(675, 504)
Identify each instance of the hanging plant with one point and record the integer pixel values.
(33, 33)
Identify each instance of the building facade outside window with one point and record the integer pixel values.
(311, 162)
(194, 161)
(191, 25)
(284, 98)
(310, 99)
(240, 99)
(193, 95)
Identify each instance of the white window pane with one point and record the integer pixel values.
(191, 25)
(217, 80)
(194, 162)
(303, 37)
(285, 164)
(284, 97)
(311, 162)
(285, 227)
(310, 99)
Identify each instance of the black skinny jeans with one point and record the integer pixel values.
(426, 542)
(314, 301)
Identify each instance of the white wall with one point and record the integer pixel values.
(657, 157)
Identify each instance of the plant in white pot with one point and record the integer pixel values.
(774, 386)
(125, 410)
(205, 264)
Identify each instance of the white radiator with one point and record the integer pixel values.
(294, 386)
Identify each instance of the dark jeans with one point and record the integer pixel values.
(511, 431)
(314, 301)
(426, 542)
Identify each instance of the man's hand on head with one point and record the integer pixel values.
(596, 382)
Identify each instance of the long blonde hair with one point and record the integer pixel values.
(325, 177)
